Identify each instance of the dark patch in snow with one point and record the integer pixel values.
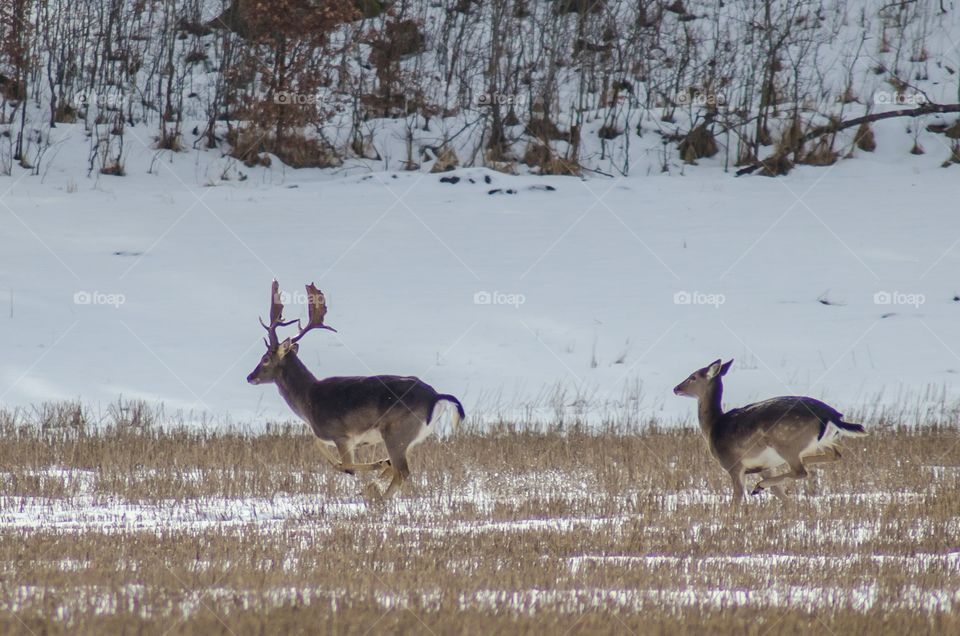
(126, 253)
(956, 298)
(545, 188)
(823, 300)
(888, 314)
(487, 179)
(501, 191)
(449, 179)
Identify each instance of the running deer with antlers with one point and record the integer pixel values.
(761, 437)
(347, 412)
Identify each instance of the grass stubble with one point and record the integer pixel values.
(132, 527)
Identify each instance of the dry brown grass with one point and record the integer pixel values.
(252, 144)
(131, 528)
(698, 143)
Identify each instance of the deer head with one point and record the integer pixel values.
(277, 351)
(701, 380)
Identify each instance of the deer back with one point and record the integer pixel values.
(782, 422)
(350, 406)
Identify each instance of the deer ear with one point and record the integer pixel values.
(726, 366)
(713, 369)
(288, 347)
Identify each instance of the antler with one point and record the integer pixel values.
(317, 306)
(276, 316)
(317, 309)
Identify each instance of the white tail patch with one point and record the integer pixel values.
(442, 407)
(831, 435)
(429, 426)
(448, 407)
(839, 432)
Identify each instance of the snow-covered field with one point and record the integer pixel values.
(198, 532)
(529, 297)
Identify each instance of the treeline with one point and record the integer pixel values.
(560, 86)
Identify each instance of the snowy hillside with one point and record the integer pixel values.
(610, 87)
(528, 296)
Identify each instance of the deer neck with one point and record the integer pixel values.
(709, 409)
(294, 382)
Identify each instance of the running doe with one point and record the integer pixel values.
(758, 438)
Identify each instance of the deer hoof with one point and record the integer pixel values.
(757, 490)
(373, 493)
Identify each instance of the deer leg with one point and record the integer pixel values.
(373, 493)
(778, 491)
(399, 467)
(395, 483)
(389, 472)
(397, 437)
(348, 464)
(328, 454)
(346, 457)
(383, 464)
(797, 471)
(736, 476)
(828, 456)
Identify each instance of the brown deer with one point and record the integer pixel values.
(761, 437)
(347, 412)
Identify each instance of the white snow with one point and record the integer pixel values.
(303, 520)
(176, 266)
